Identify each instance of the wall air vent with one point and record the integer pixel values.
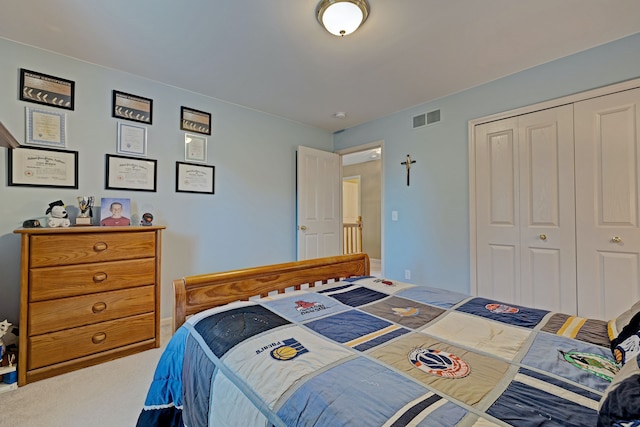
(425, 119)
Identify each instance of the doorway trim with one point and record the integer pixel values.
(364, 147)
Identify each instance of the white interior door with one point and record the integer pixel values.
(350, 200)
(319, 203)
(607, 178)
(525, 210)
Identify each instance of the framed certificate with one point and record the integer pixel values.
(192, 178)
(46, 128)
(132, 139)
(195, 148)
(46, 90)
(130, 173)
(41, 167)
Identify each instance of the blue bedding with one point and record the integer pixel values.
(375, 352)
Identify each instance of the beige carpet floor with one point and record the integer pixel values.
(110, 394)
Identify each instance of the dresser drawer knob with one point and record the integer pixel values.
(99, 306)
(100, 247)
(99, 277)
(99, 337)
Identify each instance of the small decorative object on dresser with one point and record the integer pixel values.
(87, 295)
(31, 223)
(59, 216)
(147, 219)
(85, 203)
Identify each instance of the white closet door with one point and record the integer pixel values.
(547, 210)
(525, 210)
(497, 210)
(607, 177)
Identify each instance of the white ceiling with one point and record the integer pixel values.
(273, 56)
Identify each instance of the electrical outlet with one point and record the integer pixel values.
(394, 215)
(407, 274)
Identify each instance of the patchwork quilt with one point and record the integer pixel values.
(377, 352)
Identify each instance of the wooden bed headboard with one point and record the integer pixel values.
(193, 294)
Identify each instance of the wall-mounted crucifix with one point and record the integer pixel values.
(408, 164)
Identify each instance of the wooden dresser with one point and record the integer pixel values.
(87, 295)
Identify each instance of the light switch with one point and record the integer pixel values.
(394, 215)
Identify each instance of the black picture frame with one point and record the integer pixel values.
(45, 89)
(42, 167)
(193, 120)
(195, 178)
(130, 173)
(132, 107)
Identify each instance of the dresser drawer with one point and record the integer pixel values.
(61, 346)
(58, 282)
(55, 315)
(55, 249)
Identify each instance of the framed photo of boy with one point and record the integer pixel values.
(115, 212)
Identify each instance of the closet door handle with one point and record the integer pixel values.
(543, 237)
(616, 239)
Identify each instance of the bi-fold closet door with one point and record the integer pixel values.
(607, 206)
(525, 210)
(557, 212)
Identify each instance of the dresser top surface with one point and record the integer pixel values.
(87, 229)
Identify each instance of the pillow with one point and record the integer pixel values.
(627, 344)
(621, 400)
(627, 349)
(617, 324)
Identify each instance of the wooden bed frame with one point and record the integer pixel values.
(193, 294)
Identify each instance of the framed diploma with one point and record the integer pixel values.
(41, 167)
(47, 128)
(193, 178)
(47, 90)
(195, 148)
(195, 121)
(132, 139)
(130, 173)
(132, 107)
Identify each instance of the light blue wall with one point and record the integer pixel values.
(431, 236)
(249, 221)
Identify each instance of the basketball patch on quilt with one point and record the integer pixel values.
(290, 349)
(439, 363)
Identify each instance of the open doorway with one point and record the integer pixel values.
(362, 202)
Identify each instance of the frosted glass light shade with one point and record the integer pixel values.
(342, 17)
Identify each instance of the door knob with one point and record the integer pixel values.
(302, 227)
(616, 239)
(543, 237)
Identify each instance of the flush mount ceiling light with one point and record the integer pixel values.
(342, 17)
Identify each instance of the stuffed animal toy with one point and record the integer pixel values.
(59, 215)
(4, 328)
